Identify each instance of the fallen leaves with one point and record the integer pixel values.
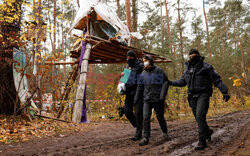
(17, 129)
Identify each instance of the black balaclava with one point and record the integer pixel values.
(195, 59)
(131, 62)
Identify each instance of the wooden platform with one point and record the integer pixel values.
(110, 52)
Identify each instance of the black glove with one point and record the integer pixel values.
(170, 83)
(226, 97)
(121, 111)
(162, 101)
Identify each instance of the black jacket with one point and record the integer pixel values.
(153, 85)
(133, 79)
(199, 78)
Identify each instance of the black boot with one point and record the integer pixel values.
(166, 136)
(202, 144)
(138, 135)
(144, 142)
(208, 137)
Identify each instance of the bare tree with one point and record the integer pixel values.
(78, 4)
(161, 25)
(118, 8)
(54, 48)
(134, 26)
(181, 41)
(208, 40)
(128, 14)
(169, 33)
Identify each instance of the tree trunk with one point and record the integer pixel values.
(134, 10)
(78, 4)
(128, 14)
(235, 45)
(208, 40)
(169, 33)
(38, 52)
(81, 87)
(9, 30)
(54, 51)
(225, 36)
(118, 8)
(181, 42)
(245, 77)
(161, 26)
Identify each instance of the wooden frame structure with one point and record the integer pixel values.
(97, 51)
(110, 51)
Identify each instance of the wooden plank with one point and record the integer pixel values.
(108, 62)
(101, 54)
(110, 53)
(59, 63)
(74, 55)
(52, 118)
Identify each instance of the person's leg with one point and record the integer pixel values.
(128, 109)
(159, 110)
(193, 104)
(139, 120)
(147, 112)
(201, 112)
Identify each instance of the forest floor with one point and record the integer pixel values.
(231, 137)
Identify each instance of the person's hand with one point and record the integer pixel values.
(226, 97)
(170, 83)
(162, 100)
(121, 74)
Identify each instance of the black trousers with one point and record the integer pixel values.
(200, 105)
(136, 118)
(147, 112)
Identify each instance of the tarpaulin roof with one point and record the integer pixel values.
(104, 11)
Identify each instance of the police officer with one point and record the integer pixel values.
(136, 119)
(199, 77)
(152, 89)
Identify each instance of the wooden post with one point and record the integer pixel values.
(81, 87)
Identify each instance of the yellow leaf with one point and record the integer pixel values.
(237, 82)
(3, 140)
(78, 40)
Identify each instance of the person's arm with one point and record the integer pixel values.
(215, 77)
(139, 90)
(179, 83)
(164, 89)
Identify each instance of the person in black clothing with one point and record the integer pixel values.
(152, 89)
(136, 119)
(199, 77)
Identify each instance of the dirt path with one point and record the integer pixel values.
(231, 137)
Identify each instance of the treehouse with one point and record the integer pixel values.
(104, 40)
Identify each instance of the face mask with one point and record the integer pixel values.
(146, 64)
(131, 62)
(194, 59)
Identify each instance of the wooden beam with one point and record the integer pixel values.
(101, 53)
(81, 87)
(59, 63)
